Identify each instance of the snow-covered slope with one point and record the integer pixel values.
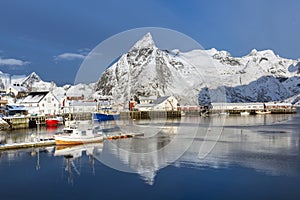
(34, 83)
(146, 70)
(75, 90)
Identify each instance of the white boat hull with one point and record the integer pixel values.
(69, 140)
(263, 112)
(245, 113)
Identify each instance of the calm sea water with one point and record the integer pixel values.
(236, 157)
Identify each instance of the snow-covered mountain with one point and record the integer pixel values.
(34, 83)
(192, 77)
(217, 76)
(146, 71)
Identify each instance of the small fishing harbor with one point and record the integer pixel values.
(257, 148)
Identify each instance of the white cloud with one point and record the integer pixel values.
(13, 62)
(69, 56)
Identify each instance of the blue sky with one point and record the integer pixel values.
(52, 37)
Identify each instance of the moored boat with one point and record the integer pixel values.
(73, 136)
(224, 113)
(54, 121)
(263, 112)
(106, 113)
(99, 116)
(245, 113)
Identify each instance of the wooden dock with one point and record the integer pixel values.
(78, 116)
(253, 112)
(27, 145)
(19, 122)
(51, 141)
(252, 108)
(120, 135)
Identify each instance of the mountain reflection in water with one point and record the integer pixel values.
(268, 144)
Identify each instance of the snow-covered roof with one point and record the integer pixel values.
(83, 103)
(147, 98)
(15, 107)
(34, 97)
(160, 100)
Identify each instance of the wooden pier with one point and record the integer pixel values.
(253, 112)
(20, 122)
(51, 141)
(27, 145)
(252, 108)
(78, 116)
(120, 136)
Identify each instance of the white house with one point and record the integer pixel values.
(16, 90)
(166, 103)
(41, 103)
(79, 107)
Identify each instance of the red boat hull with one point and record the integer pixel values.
(51, 122)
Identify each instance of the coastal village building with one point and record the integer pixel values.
(41, 103)
(16, 91)
(147, 100)
(14, 110)
(237, 106)
(270, 106)
(74, 107)
(166, 103)
(76, 104)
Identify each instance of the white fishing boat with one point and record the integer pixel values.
(72, 135)
(245, 113)
(263, 112)
(224, 113)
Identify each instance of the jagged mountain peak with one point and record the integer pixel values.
(145, 42)
(34, 76)
(30, 79)
(268, 53)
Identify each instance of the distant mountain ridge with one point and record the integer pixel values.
(193, 77)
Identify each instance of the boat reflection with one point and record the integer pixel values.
(73, 153)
